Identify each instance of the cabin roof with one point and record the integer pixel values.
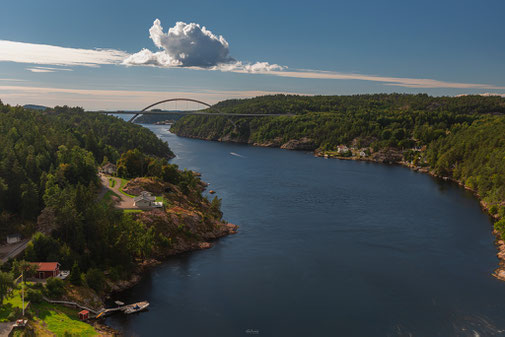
(46, 266)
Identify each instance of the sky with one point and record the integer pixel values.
(124, 55)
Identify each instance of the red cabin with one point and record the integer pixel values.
(83, 315)
(47, 269)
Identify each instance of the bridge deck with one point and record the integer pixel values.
(196, 113)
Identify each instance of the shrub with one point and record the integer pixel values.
(15, 314)
(493, 209)
(69, 334)
(499, 226)
(55, 287)
(39, 286)
(34, 296)
(75, 275)
(95, 279)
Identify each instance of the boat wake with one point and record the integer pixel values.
(237, 155)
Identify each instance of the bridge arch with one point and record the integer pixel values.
(171, 100)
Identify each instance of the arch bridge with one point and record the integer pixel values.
(216, 112)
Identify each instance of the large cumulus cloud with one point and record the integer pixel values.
(191, 45)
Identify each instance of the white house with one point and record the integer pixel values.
(13, 238)
(342, 149)
(109, 169)
(146, 200)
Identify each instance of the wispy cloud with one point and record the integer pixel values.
(11, 80)
(47, 69)
(114, 99)
(394, 81)
(484, 94)
(59, 56)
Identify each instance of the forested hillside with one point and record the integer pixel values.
(475, 156)
(64, 143)
(379, 121)
(49, 188)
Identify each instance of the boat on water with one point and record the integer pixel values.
(136, 307)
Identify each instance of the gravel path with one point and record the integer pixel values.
(124, 201)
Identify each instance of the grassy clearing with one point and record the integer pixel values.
(123, 183)
(10, 303)
(59, 319)
(160, 198)
(132, 211)
(108, 196)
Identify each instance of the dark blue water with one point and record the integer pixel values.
(325, 248)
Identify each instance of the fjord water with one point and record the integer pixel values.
(325, 248)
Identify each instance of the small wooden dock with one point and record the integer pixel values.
(128, 308)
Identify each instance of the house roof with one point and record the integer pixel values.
(46, 266)
(147, 196)
(109, 165)
(140, 197)
(83, 312)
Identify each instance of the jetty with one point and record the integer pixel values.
(127, 309)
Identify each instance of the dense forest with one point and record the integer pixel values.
(49, 188)
(61, 143)
(474, 155)
(151, 119)
(394, 120)
(462, 138)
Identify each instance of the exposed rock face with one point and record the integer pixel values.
(388, 156)
(276, 142)
(46, 221)
(142, 267)
(137, 185)
(188, 229)
(305, 143)
(500, 271)
(83, 295)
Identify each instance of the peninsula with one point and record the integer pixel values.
(71, 219)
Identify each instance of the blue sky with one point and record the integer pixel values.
(318, 47)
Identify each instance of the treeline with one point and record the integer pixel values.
(295, 104)
(380, 121)
(151, 119)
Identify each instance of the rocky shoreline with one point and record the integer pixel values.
(499, 272)
(144, 266)
(388, 156)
